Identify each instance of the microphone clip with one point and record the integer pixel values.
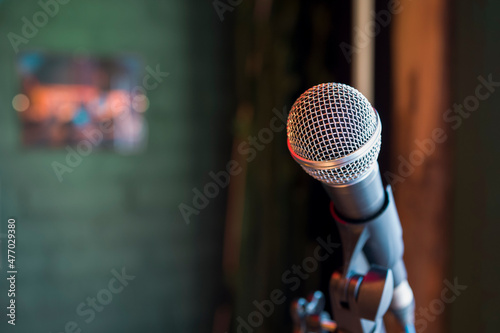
(362, 292)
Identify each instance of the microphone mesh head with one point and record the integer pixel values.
(333, 122)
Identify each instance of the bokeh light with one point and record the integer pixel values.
(21, 102)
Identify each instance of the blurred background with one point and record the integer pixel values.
(143, 156)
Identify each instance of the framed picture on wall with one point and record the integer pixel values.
(65, 99)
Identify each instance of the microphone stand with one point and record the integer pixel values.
(361, 292)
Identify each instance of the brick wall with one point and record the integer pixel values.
(119, 211)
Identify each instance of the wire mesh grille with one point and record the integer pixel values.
(328, 122)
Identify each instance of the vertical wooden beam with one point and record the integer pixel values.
(363, 60)
(422, 183)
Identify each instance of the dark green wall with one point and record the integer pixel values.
(476, 249)
(119, 211)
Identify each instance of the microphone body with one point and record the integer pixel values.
(361, 200)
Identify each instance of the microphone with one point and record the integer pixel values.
(334, 133)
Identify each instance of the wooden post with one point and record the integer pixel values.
(421, 166)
